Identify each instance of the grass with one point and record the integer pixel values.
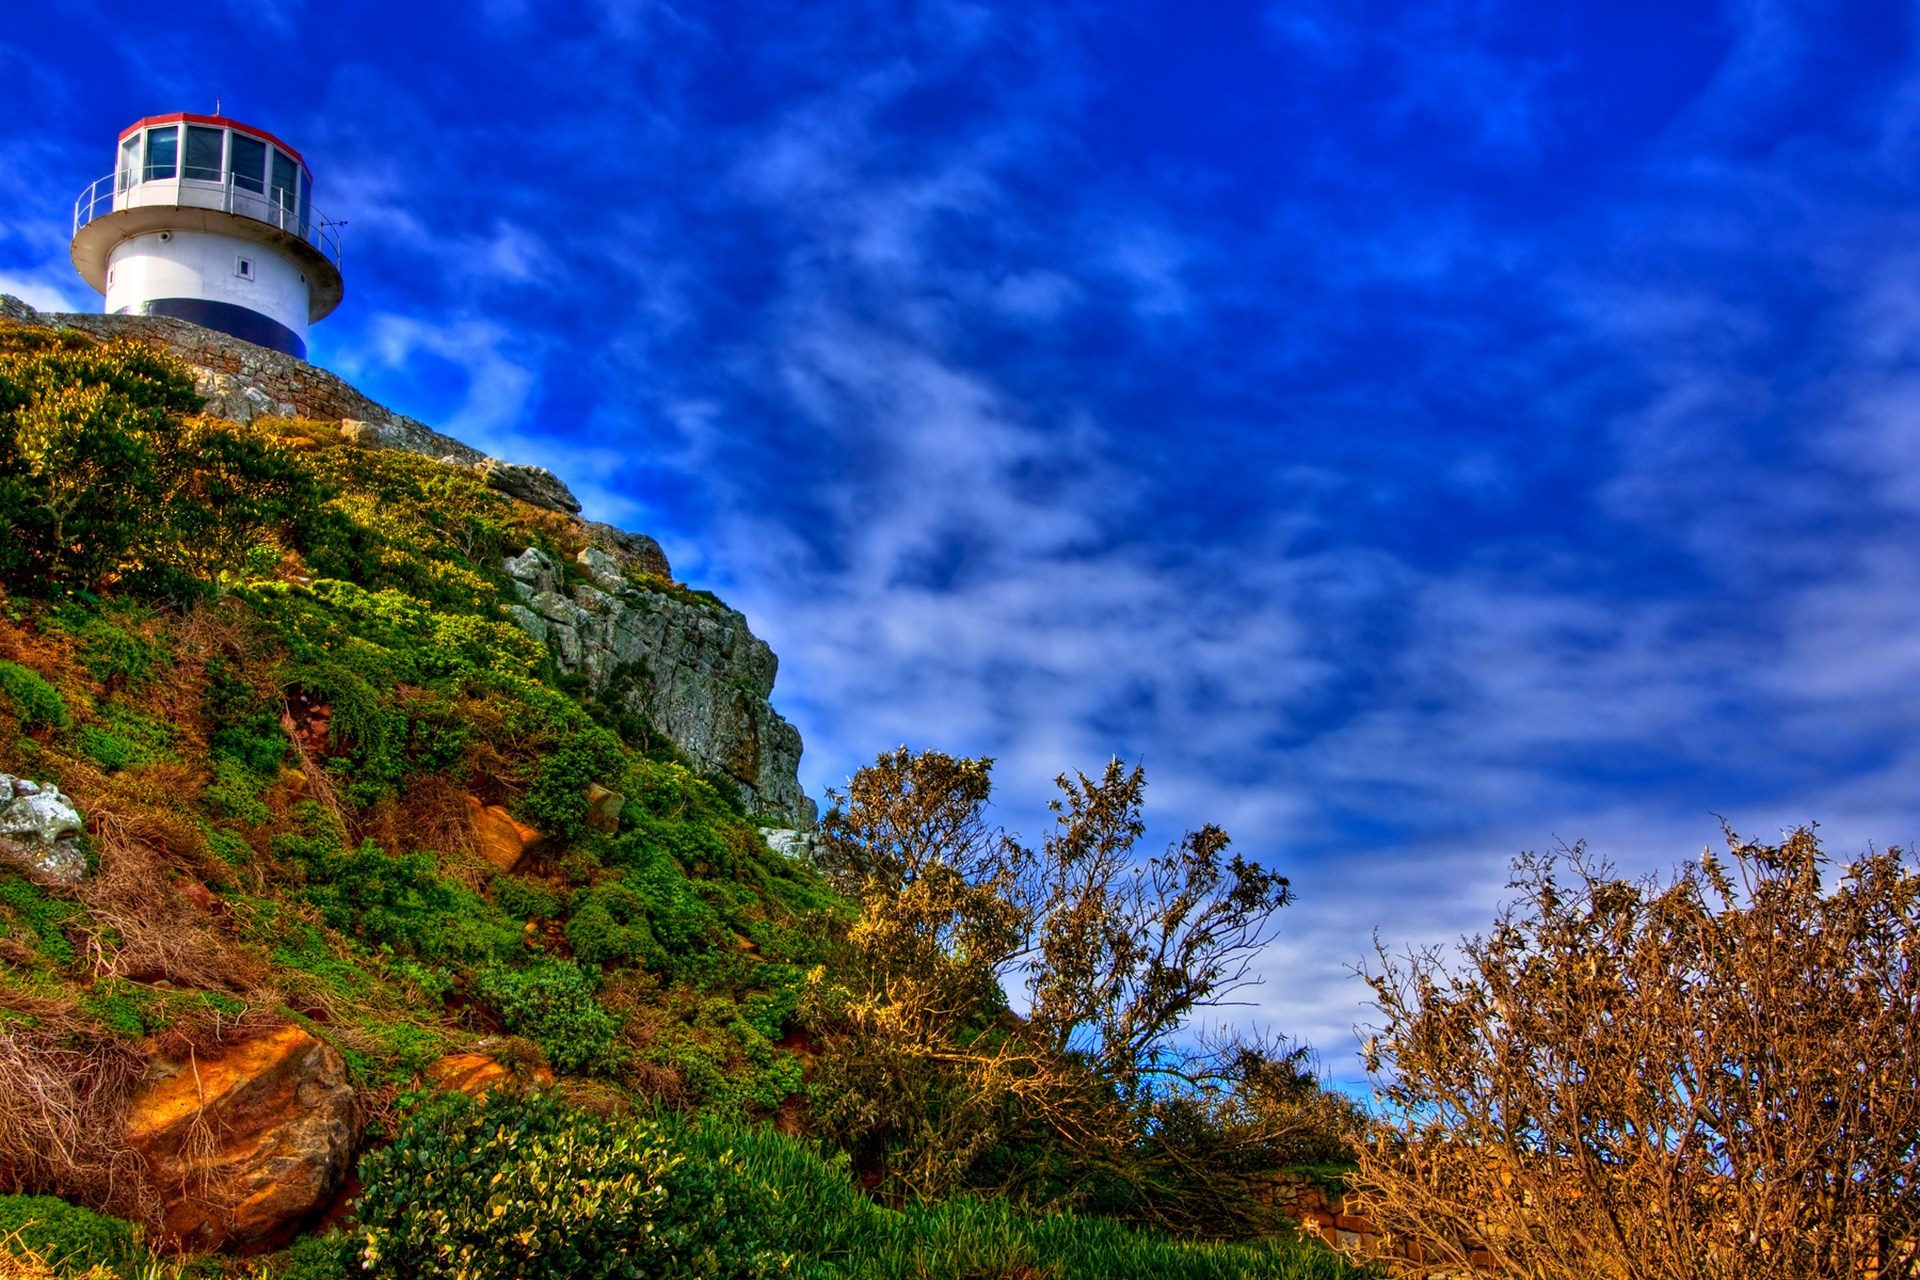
(832, 1232)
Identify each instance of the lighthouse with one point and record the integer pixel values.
(209, 220)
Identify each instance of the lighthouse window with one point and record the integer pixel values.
(130, 162)
(163, 153)
(203, 158)
(249, 163)
(286, 179)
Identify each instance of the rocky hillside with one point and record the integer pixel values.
(338, 761)
(613, 617)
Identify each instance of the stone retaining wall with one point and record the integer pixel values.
(241, 382)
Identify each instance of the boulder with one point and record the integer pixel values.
(40, 831)
(534, 570)
(408, 436)
(603, 807)
(603, 569)
(244, 1140)
(533, 485)
(633, 552)
(528, 621)
(501, 838)
(788, 842)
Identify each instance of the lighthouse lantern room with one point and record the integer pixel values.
(210, 220)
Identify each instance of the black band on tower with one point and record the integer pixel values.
(227, 318)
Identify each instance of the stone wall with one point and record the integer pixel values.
(241, 382)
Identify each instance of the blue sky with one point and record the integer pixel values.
(1418, 432)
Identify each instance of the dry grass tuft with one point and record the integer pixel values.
(141, 925)
(63, 1110)
(433, 816)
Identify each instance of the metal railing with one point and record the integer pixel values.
(107, 196)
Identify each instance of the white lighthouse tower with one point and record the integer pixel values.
(210, 220)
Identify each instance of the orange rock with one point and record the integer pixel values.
(243, 1140)
(603, 807)
(501, 838)
(476, 1074)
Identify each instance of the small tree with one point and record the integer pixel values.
(1093, 1096)
(1711, 1077)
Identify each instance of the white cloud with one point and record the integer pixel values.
(45, 291)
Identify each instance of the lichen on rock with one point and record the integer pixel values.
(40, 831)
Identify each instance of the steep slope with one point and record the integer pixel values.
(387, 775)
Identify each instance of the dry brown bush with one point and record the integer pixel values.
(433, 815)
(926, 1074)
(1713, 1077)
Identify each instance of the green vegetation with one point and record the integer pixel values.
(71, 1238)
(35, 703)
(277, 671)
(523, 1186)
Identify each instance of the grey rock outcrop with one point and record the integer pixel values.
(688, 664)
(789, 843)
(631, 552)
(691, 667)
(411, 437)
(40, 831)
(530, 484)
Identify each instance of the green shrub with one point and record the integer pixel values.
(609, 927)
(551, 1003)
(526, 899)
(557, 800)
(122, 1011)
(520, 1187)
(29, 913)
(329, 1257)
(678, 917)
(246, 723)
(35, 702)
(399, 901)
(69, 1237)
(127, 738)
(233, 792)
(111, 652)
(104, 475)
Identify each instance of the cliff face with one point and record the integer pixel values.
(682, 659)
(689, 665)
